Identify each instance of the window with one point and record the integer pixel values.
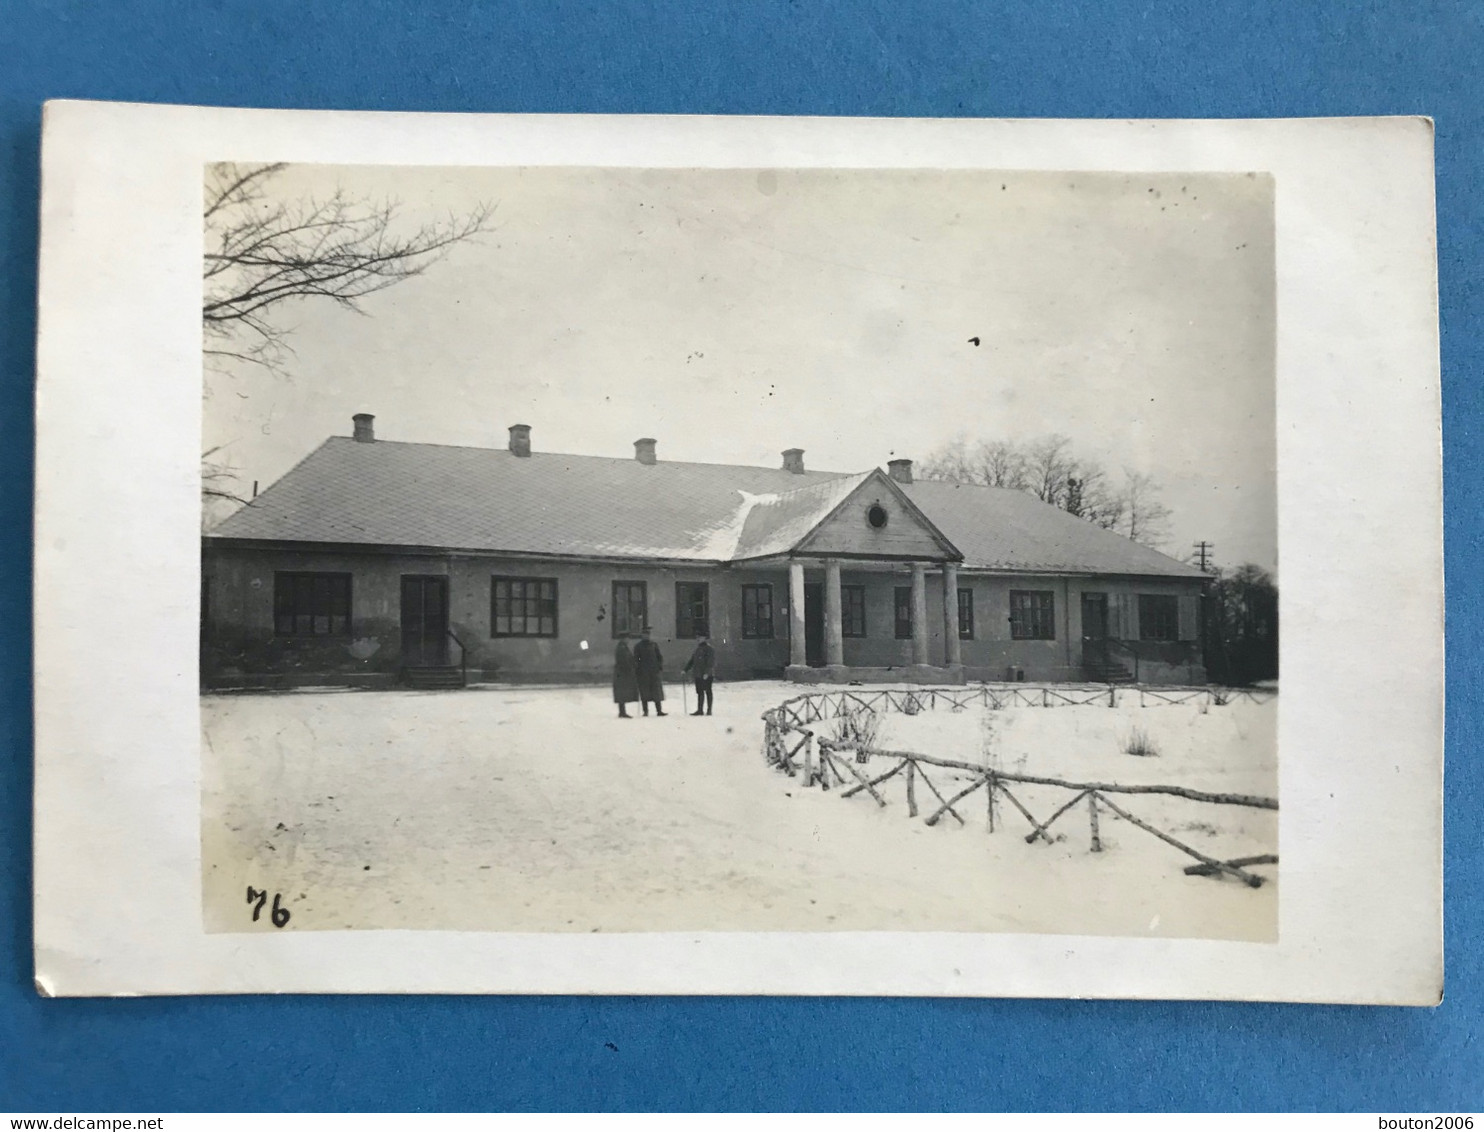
(876, 515)
(311, 604)
(1159, 617)
(966, 615)
(853, 611)
(630, 608)
(523, 607)
(692, 610)
(757, 612)
(1032, 615)
(904, 613)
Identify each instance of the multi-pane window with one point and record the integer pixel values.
(311, 604)
(1159, 617)
(757, 611)
(853, 611)
(692, 610)
(630, 608)
(904, 612)
(523, 607)
(1032, 615)
(966, 614)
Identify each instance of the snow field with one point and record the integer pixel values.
(535, 809)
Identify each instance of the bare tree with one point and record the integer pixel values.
(1048, 468)
(1000, 464)
(262, 252)
(1049, 464)
(952, 462)
(1145, 519)
(993, 463)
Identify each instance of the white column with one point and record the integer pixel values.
(796, 654)
(953, 652)
(834, 635)
(919, 614)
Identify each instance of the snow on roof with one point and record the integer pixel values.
(999, 528)
(777, 523)
(389, 493)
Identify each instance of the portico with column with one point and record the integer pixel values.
(816, 593)
(848, 546)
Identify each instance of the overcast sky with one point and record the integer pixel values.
(735, 313)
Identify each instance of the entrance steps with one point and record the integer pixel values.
(1108, 672)
(433, 676)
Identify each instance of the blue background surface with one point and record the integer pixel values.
(1037, 58)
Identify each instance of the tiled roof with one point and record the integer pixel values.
(390, 493)
(387, 493)
(776, 523)
(998, 528)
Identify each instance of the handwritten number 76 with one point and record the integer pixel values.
(258, 897)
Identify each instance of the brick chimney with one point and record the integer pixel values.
(520, 439)
(644, 450)
(793, 461)
(363, 430)
(900, 470)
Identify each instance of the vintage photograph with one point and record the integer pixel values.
(714, 550)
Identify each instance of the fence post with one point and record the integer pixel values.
(911, 788)
(808, 759)
(1092, 814)
(989, 789)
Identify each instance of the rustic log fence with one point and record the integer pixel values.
(791, 744)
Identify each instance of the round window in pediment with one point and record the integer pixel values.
(876, 515)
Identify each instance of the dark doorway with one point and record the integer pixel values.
(814, 624)
(1094, 629)
(424, 619)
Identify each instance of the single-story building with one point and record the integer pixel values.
(374, 561)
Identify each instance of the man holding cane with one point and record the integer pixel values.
(702, 667)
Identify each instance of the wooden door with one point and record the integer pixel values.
(1094, 629)
(424, 619)
(814, 624)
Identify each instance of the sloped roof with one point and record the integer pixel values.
(397, 494)
(776, 523)
(999, 528)
(388, 493)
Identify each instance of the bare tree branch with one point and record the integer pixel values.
(261, 253)
(1048, 468)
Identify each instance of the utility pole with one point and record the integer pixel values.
(1203, 551)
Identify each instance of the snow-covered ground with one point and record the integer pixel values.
(535, 809)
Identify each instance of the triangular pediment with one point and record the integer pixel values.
(877, 520)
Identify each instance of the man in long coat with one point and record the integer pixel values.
(648, 665)
(625, 681)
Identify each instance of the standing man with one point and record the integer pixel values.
(625, 681)
(648, 665)
(702, 668)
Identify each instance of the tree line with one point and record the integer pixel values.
(1241, 626)
(1049, 468)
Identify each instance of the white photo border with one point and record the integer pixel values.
(117, 567)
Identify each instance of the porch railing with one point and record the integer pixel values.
(463, 658)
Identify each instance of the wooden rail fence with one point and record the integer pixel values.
(791, 744)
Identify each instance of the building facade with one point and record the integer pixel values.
(374, 562)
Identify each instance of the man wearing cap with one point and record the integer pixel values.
(648, 666)
(702, 669)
